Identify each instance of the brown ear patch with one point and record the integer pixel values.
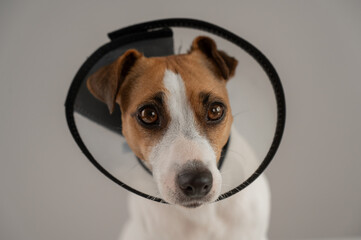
(105, 83)
(225, 66)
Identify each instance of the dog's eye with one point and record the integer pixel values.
(215, 112)
(148, 115)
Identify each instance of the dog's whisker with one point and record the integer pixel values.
(180, 48)
(226, 185)
(239, 113)
(132, 167)
(238, 153)
(223, 172)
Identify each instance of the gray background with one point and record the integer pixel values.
(48, 190)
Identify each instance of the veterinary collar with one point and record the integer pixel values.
(154, 38)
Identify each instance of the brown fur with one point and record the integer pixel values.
(204, 70)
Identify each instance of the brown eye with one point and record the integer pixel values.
(148, 115)
(215, 112)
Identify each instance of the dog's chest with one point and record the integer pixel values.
(211, 222)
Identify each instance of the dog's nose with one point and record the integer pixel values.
(195, 183)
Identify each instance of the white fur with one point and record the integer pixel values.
(243, 216)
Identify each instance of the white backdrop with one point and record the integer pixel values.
(48, 190)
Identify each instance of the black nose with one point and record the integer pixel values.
(195, 183)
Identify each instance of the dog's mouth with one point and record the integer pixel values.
(192, 204)
(187, 202)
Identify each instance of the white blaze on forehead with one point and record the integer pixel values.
(181, 142)
(182, 118)
(182, 128)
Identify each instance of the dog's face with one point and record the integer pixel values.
(176, 116)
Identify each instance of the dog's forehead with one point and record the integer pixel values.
(147, 77)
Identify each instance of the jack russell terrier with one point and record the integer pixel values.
(176, 118)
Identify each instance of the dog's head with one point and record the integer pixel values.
(176, 115)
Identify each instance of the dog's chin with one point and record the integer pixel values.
(181, 200)
(192, 204)
(195, 203)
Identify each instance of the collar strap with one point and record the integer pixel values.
(220, 162)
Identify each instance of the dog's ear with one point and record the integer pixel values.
(223, 65)
(105, 83)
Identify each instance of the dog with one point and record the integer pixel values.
(176, 118)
